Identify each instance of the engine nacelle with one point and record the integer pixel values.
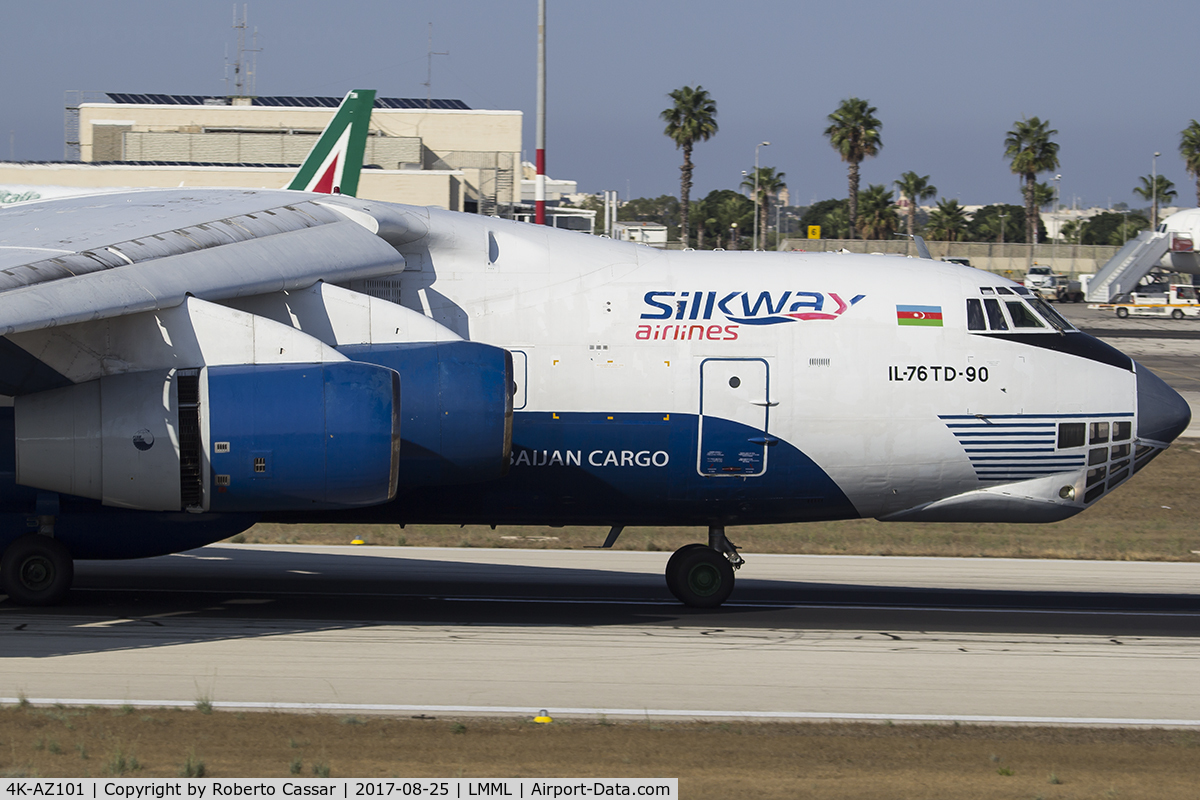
(268, 437)
(456, 413)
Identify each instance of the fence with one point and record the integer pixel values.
(1006, 259)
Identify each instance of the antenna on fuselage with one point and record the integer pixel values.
(922, 250)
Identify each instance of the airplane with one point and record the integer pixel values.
(333, 166)
(185, 363)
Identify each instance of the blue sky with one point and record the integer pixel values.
(948, 79)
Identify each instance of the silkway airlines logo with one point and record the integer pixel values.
(741, 308)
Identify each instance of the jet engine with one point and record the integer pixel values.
(456, 413)
(261, 437)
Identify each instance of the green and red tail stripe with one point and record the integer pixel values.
(333, 165)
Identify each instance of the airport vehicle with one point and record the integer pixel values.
(1053, 286)
(185, 363)
(1175, 301)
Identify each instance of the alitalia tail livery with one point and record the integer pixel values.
(186, 363)
(336, 159)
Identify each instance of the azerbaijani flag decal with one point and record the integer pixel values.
(929, 316)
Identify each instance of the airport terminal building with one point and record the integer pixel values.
(421, 152)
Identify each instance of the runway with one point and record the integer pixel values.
(508, 631)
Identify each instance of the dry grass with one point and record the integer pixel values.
(1153, 517)
(819, 760)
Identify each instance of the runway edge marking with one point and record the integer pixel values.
(617, 712)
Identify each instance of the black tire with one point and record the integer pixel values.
(672, 571)
(1177, 314)
(37, 571)
(704, 578)
(1122, 313)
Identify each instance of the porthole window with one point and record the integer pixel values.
(735, 382)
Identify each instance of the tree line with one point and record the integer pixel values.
(854, 132)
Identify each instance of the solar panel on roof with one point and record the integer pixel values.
(281, 101)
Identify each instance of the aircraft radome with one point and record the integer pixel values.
(185, 363)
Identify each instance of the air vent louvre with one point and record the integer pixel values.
(191, 484)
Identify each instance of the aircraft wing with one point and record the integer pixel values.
(98, 257)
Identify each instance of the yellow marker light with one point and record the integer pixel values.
(357, 540)
(542, 717)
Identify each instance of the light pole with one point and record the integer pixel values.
(1057, 220)
(1002, 218)
(1154, 192)
(733, 236)
(1057, 203)
(760, 144)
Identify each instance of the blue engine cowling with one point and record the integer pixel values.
(456, 411)
(307, 436)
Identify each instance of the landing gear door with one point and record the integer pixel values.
(734, 413)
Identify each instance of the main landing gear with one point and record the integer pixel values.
(36, 570)
(701, 576)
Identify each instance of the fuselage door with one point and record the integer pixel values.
(734, 413)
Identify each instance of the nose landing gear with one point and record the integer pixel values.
(701, 576)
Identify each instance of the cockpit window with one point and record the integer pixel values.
(986, 290)
(975, 315)
(1021, 290)
(1055, 319)
(1022, 317)
(1003, 290)
(995, 316)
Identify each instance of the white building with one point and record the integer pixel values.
(437, 153)
(651, 233)
(556, 190)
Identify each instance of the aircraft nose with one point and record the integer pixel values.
(1162, 413)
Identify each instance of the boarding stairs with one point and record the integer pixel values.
(1131, 263)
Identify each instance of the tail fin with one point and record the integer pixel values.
(333, 165)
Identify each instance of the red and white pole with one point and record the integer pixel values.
(540, 186)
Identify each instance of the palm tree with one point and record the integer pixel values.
(1072, 231)
(1155, 189)
(1043, 195)
(838, 223)
(1189, 148)
(769, 184)
(855, 135)
(692, 119)
(947, 222)
(1031, 151)
(878, 218)
(916, 188)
